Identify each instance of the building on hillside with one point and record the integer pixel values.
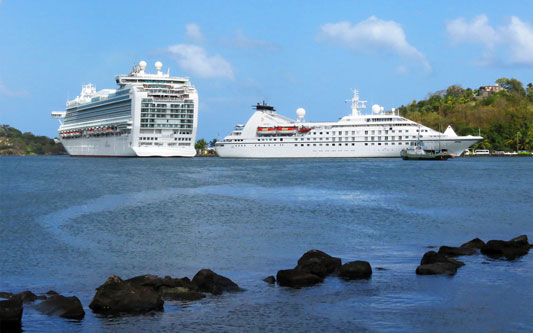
(486, 91)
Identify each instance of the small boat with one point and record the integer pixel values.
(286, 130)
(304, 129)
(419, 154)
(266, 130)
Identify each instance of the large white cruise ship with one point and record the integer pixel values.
(268, 134)
(148, 115)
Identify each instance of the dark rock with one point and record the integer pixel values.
(180, 294)
(475, 243)
(11, 314)
(433, 257)
(511, 250)
(66, 307)
(456, 251)
(318, 263)
(431, 247)
(355, 270)
(381, 269)
(437, 268)
(147, 280)
(26, 296)
(5, 294)
(437, 263)
(116, 296)
(211, 282)
(296, 278)
(51, 292)
(185, 282)
(270, 279)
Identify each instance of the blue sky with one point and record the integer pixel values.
(292, 54)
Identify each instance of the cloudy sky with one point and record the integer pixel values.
(290, 53)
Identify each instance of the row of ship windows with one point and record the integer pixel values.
(333, 144)
(161, 144)
(183, 121)
(164, 106)
(115, 109)
(372, 132)
(164, 115)
(372, 138)
(143, 125)
(156, 138)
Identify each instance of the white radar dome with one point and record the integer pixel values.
(142, 64)
(300, 112)
(376, 108)
(158, 65)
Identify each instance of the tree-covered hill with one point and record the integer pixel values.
(14, 142)
(504, 119)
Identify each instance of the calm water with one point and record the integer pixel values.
(67, 224)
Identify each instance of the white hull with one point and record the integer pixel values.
(341, 150)
(118, 146)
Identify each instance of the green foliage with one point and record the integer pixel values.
(212, 143)
(504, 119)
(14, 142)
(200, 144)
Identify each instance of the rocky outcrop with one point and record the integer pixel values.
(27, 297)
(58, 305)
(475, 243)
(511, 250)
(355, 270)
(434, 263)
(295, 278)
(10, 314)
(318, 263)
(116, 296)
(180, 294)
(211, 282)
(5, 294)
(452, 251)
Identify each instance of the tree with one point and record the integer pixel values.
(512, 85)
(455, 90)
(212, 143)
(200, 145)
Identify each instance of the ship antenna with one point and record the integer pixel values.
(357, 105)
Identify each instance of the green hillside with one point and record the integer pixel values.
(504, 119)
(14, 142)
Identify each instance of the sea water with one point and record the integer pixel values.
(67, 224)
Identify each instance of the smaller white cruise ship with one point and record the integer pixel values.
(268, 134)
(149, 115)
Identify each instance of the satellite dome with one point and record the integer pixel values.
(158, 65)
(142, 64)
(376, 108)
(300, 112)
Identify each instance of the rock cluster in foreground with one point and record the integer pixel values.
(316, 265)
(148, 293)
(51, 304)
(436, 263)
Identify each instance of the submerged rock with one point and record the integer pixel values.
(432, 257)
(270, 279)
(10, 314)
(437, 268)
(211, 282)
(355, 270)
(475, 243)
(116, 296)
(27, 296)
(511, 250)
(66, 307)
(296, 278)
(318, 263)
(180, 294)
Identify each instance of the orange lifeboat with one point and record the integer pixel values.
(266, 130)
(304, 129)
(286, 130)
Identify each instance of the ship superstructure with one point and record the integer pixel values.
(268, 134)
(147, 115)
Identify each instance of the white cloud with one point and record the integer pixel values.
(193, 33)
(516, 36)
(241, 41)
(372, 35)
(194, 59)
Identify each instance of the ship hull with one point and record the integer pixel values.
(340, 150)
(118, 146)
